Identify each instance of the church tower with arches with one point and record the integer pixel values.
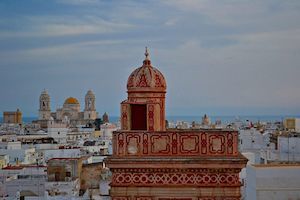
(90, 109)
(44, 110)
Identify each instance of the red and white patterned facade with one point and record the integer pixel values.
(152, 163)
(145, 86)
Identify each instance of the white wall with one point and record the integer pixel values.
(251, 139)
(273, 182)
(61, 153)
(107, 130)
(58, 134)
(95, 159)
(67, 188)
(297, 124)
(31, 178)
(14, 145)
(14, 155)
(250, 184)
(289, 148)
(30, 156)
(36, 185)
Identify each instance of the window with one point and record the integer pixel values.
(57, 176)
(68, 174)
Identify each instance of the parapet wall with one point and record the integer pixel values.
(203, 143)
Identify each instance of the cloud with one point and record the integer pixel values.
(213, 53)
(98, 27)
(72, 49)
(171, 22)
(260, 70)
(66, 26)
(224, 12)
(79, 2)
(247, 14)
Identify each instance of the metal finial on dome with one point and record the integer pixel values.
(147, 61)
(147, 53)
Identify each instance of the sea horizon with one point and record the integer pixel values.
(198, 118)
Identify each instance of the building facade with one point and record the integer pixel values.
(151, 162)
(292, 124)
(70, 112)
(4, 160)
(12, 117)
(273, 181)
(64, 176)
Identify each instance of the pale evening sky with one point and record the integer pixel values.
(228, 57)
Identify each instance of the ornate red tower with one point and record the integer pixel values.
(145, 107)
(152, 163)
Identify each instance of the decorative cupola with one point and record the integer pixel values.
(144, 108)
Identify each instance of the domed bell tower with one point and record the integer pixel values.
(144, 108)
(89, 109)
(45, 110)
(151, 163)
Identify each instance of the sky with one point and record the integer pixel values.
(228, 57)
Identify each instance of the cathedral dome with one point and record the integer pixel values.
(71, 100)
(146, 78)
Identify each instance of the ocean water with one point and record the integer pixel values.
(224, 119)
(228, 119)
(25, 119)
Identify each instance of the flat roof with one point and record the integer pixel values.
(276, 165)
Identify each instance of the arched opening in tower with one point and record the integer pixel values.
(138, 117)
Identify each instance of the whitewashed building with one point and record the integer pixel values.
(273, 181)
(58, 131)
(61, 153)
(289, 147)
(17, 154)
(106, 130)
(20, 179)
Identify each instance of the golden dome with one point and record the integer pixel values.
(71, 100)
(146, 78)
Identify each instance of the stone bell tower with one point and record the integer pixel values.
(45, 110)
(150, 162)
(90, 109)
